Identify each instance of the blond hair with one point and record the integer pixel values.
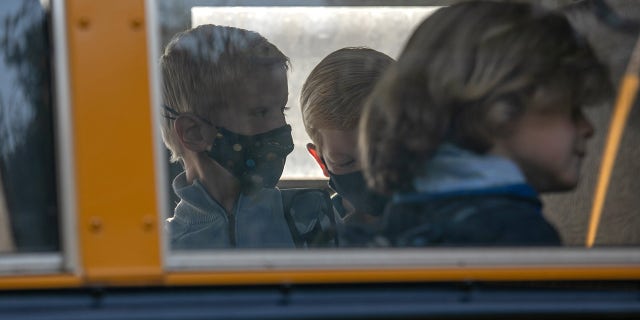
(467, 72)
(334, 93)
(203, 67)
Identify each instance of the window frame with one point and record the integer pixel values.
(69, 268)
(64, 261)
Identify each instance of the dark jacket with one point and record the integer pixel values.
(468, 199)
(470, 220)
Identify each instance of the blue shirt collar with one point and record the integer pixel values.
(454, 171)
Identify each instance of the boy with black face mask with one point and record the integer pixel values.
(331, 100)
(225, 92)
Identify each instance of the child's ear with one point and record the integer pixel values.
(316, 155)
(192, 133)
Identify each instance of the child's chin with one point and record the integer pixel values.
(562, 184)
(565, 185)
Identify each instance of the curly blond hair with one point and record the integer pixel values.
(466, 73)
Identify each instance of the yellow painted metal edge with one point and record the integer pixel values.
(355, 276)
(40, 281)
(405, 275)
(124, 277)
(626, 96)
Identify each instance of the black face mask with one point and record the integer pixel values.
(351, 186)
(258, 160)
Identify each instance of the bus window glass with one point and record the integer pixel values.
(613, 42)
(214, 137)
(306, 37)
(28, 209)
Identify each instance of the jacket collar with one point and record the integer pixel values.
(454, 171)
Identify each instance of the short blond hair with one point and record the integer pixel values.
(466, 73)
(334, 93)
(202, 67)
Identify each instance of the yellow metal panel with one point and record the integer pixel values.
(118, 233)
(39, 282)
(404, 275)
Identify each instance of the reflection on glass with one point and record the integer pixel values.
(26, 140)
(307, 35)
(453, 175)
(293, 218)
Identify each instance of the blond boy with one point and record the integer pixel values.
(332, 99)
(224, 93)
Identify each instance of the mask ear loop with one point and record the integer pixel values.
(170, 113)
(624, 102)
(314, 153)
(173, 114)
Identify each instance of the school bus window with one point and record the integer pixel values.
(276, 27)
(28, 205)
(297, 55)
